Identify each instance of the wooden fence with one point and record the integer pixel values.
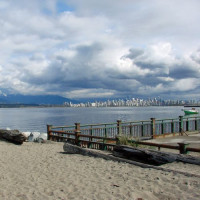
(103, 136)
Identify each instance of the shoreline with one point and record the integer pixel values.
(64, 106)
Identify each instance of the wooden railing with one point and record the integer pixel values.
(103, 136)
(181, 147)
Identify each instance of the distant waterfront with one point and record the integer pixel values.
(36, 119)
(132, 102)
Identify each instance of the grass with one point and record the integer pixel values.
(133, 142)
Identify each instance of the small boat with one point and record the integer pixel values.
(191, 112)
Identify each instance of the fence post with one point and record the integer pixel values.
(153, 127)
(90, 139)
(77, 133)
(162, 128)
(49, 132)
(187, 125)
(119, 127)
(131, 129)
(104, 147)
(172, 127)
(142, 129)
(183, 148)
(181, 125)
(195, 124)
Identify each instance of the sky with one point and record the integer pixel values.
(100, 49)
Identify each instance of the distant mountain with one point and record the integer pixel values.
(34, 99)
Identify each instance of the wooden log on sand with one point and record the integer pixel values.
(138, 155)
(143, 155)
(13, 136)
(152, 157)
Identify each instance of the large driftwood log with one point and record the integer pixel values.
(144, 155)
(13, 136)
(70, 148)
(188, 159)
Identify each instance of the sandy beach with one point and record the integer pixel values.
(42, 171)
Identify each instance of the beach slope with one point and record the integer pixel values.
(42, 171)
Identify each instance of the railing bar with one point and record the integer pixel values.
(166, 119)
(53, 127)
(98, 124)
(135, 121)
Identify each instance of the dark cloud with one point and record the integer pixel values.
(100, 48)
(156, 69)
(196, 56)
(133, 53)
(180, 72)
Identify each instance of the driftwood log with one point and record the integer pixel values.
(143, 155)
(71, 149)
(138, 155)
(13, 136)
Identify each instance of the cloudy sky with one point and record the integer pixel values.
(107, 48)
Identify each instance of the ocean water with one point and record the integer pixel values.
(36, 119)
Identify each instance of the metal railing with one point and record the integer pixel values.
(103, 136)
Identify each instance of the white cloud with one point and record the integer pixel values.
(91, 93)
(166, 79)
(100, 48)
(186, 84)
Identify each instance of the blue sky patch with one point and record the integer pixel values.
(63, 7)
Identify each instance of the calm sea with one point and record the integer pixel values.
(36, 119)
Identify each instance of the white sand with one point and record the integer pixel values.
(42, 171)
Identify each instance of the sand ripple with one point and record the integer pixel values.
(42, 171)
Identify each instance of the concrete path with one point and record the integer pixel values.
(193, 140)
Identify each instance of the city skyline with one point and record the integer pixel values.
(134, 102)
